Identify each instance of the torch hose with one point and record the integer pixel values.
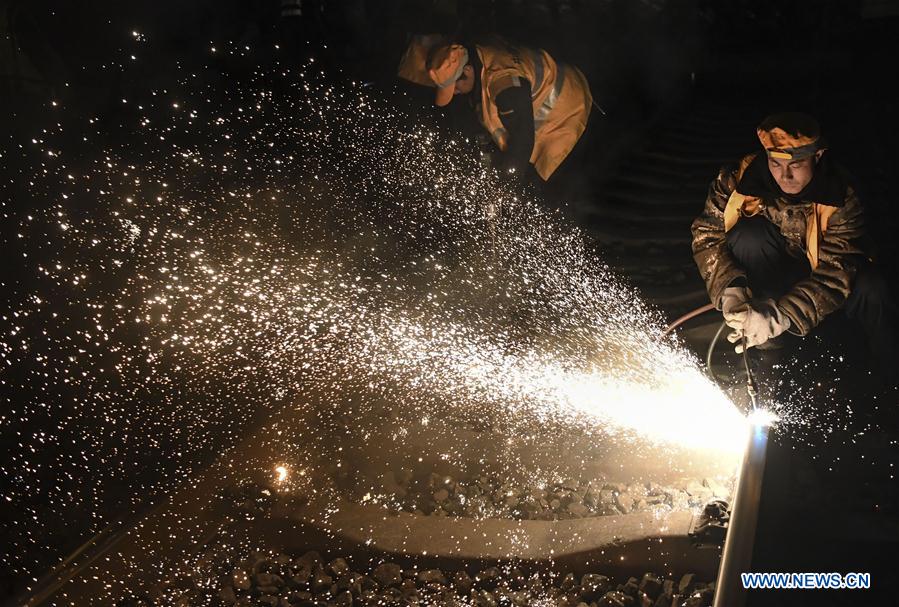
(701, 310)
(693, 314)
(750, 379)
(711, 350)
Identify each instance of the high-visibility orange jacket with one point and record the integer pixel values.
(560, 95)
(560, 98)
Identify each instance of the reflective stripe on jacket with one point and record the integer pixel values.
(560, 97)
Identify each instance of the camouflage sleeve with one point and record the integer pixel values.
(715, 262)
(828, 286)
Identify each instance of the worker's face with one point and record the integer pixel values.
(793, 175)
(465, 82)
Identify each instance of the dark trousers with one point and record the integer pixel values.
(761, 250)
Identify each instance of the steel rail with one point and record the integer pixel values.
(736, 557)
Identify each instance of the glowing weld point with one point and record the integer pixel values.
(762, 417)
(281, 471)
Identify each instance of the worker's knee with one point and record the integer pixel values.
(752, 238)
(760, 249)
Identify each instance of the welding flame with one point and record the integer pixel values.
(763, 418)
(686, 410)
(661, 396)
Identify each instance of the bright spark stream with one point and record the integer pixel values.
(282, 242)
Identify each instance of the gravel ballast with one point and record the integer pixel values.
(314, 579)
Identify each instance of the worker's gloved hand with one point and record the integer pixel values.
(734, 299)
(759, 321)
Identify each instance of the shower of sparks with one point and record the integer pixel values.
(658, 394)
(216, 254)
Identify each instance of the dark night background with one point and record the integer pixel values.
(656, 67)
(647, 61)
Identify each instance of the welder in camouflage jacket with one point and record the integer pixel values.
(779, 243)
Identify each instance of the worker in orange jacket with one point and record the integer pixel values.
(534, 108)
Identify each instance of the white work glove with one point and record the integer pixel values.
(758, 321)
(733, 298)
